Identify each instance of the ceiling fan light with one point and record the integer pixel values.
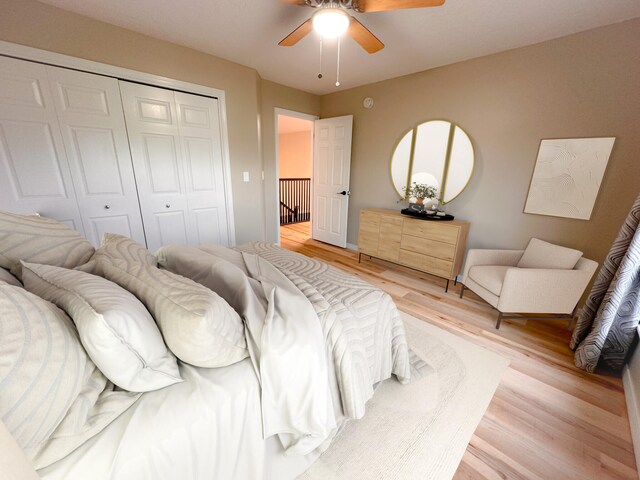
(330, 22)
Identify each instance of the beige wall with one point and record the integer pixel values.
(295, 154)
(30, 23)
(275, 96)
(578, 86)
(583, 85)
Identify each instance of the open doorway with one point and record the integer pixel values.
(295, 175)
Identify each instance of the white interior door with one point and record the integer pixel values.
(200, 135)
(34, 171)
(92, 122)
(331, 172)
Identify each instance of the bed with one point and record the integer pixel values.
(219, 422)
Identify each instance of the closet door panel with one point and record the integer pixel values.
(34, 171)
(199, 126)
(156, 149)
(90, 113)
(172, 227)
(120, 224)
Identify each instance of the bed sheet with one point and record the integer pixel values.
(207, 427)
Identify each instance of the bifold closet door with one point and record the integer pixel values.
(199, 126)
(175, 145)
(34, 171)
(93, 129)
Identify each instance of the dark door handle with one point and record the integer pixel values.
(344, 192)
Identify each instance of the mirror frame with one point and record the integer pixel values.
(445, 170)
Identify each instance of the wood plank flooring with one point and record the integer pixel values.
(548, 420)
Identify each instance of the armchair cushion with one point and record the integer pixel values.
(490, 257)
(489, 277)
(541, 254)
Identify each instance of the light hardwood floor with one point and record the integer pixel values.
(548, 420)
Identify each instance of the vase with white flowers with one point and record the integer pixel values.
(421, 192)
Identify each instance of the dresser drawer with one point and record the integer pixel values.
(369, 232)
(435, 266)
(390, 236)
(433, 231)
(426, 246)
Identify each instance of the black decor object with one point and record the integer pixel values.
(424, 216)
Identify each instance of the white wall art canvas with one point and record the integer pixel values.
(567, 176)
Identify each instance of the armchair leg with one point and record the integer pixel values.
(499, 320)
(462, 287)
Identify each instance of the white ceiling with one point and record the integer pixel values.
(247, 32)
(288, 124)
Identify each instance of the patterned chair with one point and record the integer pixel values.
(543, 279)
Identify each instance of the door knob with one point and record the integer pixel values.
(107, 207)
(168, 205)
(344, 192)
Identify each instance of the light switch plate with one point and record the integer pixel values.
(245, 176)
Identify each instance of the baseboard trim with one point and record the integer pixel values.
(351, 246)
(632, 398)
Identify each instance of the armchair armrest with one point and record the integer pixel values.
(490, 257)
(542, 290)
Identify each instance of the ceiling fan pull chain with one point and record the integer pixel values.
(320, 69)
(338, 69)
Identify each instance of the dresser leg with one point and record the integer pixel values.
(455, 281)
(359, 257)
(446, 288)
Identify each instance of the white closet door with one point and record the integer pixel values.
(92, 122)
(34, 172)
(199, 127)
(177, 157)
(156, 149)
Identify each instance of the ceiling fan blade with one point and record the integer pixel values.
(297, 35)
(364, 37)
(385, 5)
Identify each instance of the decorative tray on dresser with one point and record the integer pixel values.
(436, 248)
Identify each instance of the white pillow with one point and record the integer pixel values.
(40, 240)
(52, 396)
(199, 326)
(541, 254)
(117, 331)
(117, 247)
(6, 277)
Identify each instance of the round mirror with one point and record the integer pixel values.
(437, 153)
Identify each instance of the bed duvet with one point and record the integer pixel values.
(319, 341)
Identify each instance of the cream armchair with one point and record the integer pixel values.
(494, 275)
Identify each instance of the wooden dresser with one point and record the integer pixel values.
(432, 247)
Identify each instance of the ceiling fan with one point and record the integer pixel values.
(331, 19)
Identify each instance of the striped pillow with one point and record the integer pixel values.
(123, 250)
(199, 326)
(6, 277)
(117, 331)
(40, 240)
(52, 397)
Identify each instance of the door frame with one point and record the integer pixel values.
(22, 52)
(303, 116)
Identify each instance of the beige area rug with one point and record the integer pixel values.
(420, 430)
